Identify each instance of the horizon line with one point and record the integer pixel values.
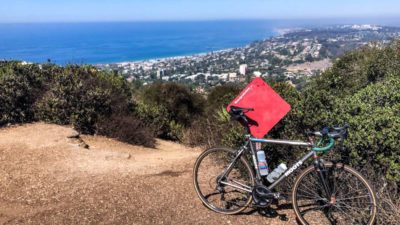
(207, 20)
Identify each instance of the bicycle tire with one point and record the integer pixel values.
(202, 196)
(338, 202)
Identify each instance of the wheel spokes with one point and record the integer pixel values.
(228, 193)
(350, 201)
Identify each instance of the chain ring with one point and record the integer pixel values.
(259, 200)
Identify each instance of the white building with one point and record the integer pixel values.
(232, 76)
(223, 76)
(242, 69)
(160, 74)
(257, 73)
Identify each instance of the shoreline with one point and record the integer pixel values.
(278, 32)
(169, 57)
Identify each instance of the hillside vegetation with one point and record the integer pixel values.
(361, 89)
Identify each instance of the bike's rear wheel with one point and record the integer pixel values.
(351, 201)
(229, 197)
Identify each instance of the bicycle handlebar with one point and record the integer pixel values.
(331, 132)
(326, 148)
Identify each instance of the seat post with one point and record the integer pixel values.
(247, 124)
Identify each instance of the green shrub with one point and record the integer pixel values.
(169, 109)
(15, 99)
(215, 127)
(153, 116)
(221, 96)
(77, 95)
(175, 131)
(127, 129)
(81, 95)
(181, 104)
(362, 89)
(373, 115)
(158, 119)
(21, 86)
(357, 69)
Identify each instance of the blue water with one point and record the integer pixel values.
(91, 43)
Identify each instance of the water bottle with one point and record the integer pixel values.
(278, 171)
(262, 163)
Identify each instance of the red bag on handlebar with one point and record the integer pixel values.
(269, 107)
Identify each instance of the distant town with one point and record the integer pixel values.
(293, 56)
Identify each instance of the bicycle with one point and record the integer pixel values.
(323, 193)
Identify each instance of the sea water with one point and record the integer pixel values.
(93, 43)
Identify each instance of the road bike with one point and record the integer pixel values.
(227, 181)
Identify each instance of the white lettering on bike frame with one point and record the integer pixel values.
(293, 168)
(255, 162)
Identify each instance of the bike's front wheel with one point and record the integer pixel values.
(344, 197)
(222, 191)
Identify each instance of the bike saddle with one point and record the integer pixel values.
(238, 110)
(238, 113)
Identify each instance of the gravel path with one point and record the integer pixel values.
(48, 178)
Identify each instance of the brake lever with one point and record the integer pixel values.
(325, 131)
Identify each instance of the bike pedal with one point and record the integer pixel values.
(283, 218)
(268, 212)
(277, 195)
(282, 197)
(262, 204)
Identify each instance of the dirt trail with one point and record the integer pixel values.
(48, 178)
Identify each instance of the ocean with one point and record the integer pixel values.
(94, 43)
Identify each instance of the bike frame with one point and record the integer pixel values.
(251, 140)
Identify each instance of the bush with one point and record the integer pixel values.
(357, 69)
(81, 95)
(169, 109)
(153, 116)
(21, 86)
(15, 99)
(127, 129)
(362, 89)
(77, 95)
(221, 96)
(373, 115)
(181, 104)
(215, 127)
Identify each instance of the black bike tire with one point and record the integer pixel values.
(341, 166)
(196, 185)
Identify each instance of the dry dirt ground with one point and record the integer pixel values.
(48, 178)
(310, 66)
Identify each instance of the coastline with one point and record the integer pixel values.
(278, 32)
(170, 57)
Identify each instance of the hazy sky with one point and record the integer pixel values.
(155, 10)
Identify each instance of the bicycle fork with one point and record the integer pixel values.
(323, 175)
